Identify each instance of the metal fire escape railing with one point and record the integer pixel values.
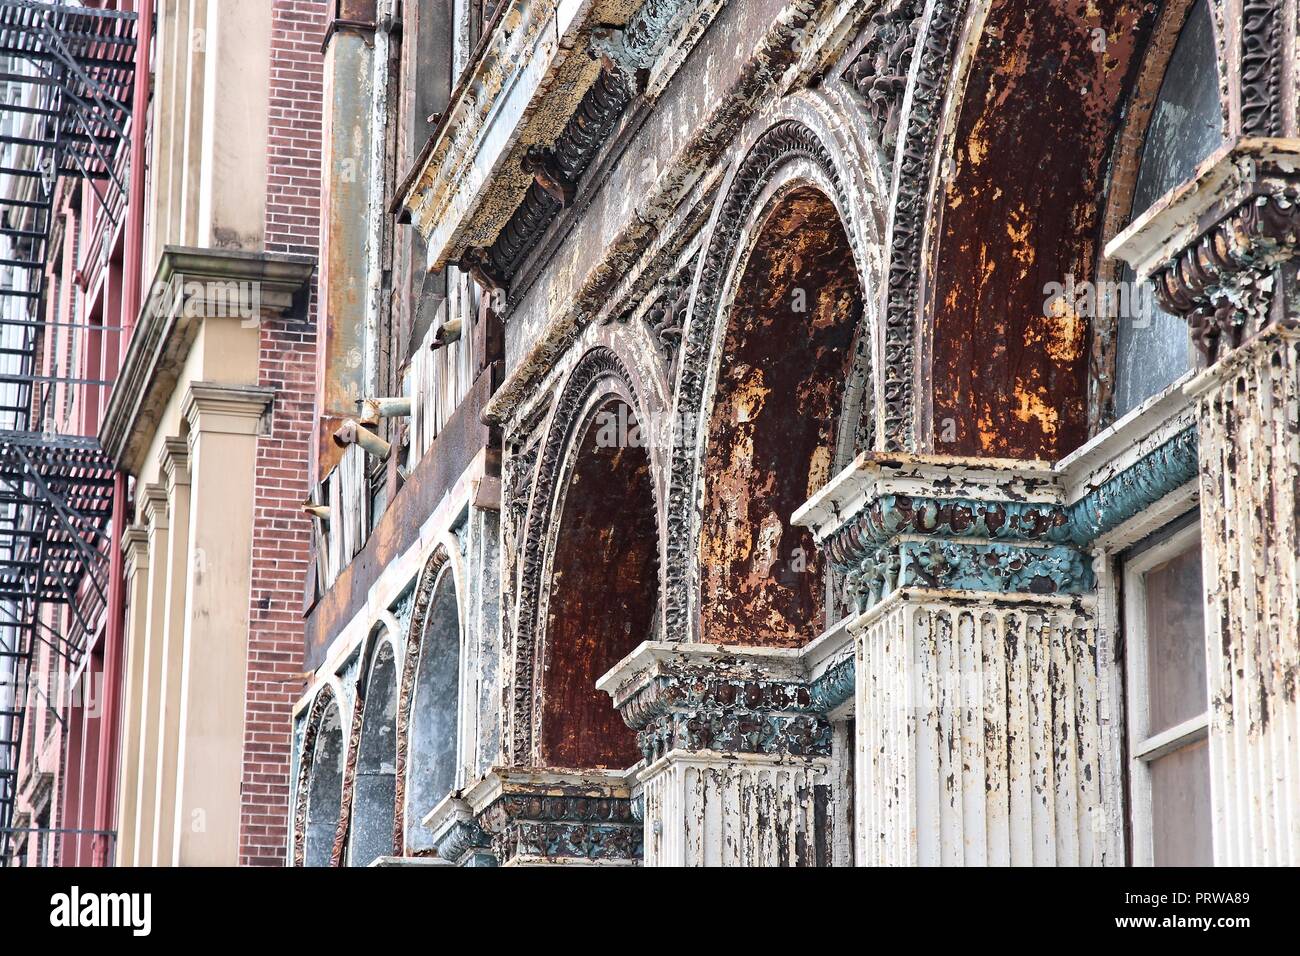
(66, 77)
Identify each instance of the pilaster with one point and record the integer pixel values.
(154, 512)
(135, 572)
(1223, 252)
(173, 461)
(224, 422)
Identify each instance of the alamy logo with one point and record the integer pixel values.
(76, 909)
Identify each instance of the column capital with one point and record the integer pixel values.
(135, 550)
(535, 816)
(154, 507)
(1212, 247)
(710, 697)
(174, 462)
(228, 409)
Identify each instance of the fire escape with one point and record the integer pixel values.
(66, 75)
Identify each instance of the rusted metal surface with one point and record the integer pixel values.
(1020, 211)
(603, 594)
(772, 428)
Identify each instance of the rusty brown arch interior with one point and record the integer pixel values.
(773, 424)
(603, 587)
(1039, 142)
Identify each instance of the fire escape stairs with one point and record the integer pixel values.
(66, 79)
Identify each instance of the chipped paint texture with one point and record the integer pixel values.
(772, 429)
(977, 728)
(1249, 421)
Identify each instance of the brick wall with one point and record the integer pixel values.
(281, 533)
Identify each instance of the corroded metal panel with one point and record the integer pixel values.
(773, 426)
(1018, 212)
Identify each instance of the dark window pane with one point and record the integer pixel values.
(1186, 126)
(1180, 807)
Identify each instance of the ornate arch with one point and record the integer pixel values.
(380, 632)
(786, 143)
(923, 115)
(599, 373)
(325, 697)
(425, 587)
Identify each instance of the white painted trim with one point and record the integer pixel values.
(1144, 746)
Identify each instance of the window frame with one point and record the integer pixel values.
(1143, 746)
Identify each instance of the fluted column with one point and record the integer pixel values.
(135, 572)
(173, 461)
(1249, 423)
(978, 738)
(737, 758)
(154, 510)
(224, 421)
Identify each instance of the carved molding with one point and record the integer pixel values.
(907, 228)
(421, 598)
(879, 71)
(308, 754)
(1261, 67)
(1223, 283)
(785, 142)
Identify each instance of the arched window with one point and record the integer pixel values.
(325, 789)
(435, 706)
(375, 788)
(1153, 347)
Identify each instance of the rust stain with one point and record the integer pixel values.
(604, 583)
(1020, 211)
(772, 428)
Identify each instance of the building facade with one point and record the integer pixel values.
(805, 433)
(179, 341)
(650, 432)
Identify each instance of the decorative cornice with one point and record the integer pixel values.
(1211, 247)
(545, 66)
(988, 535)
(189, 287)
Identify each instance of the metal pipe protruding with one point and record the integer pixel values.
(353, 433)
(317, 511)
(373, 409)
